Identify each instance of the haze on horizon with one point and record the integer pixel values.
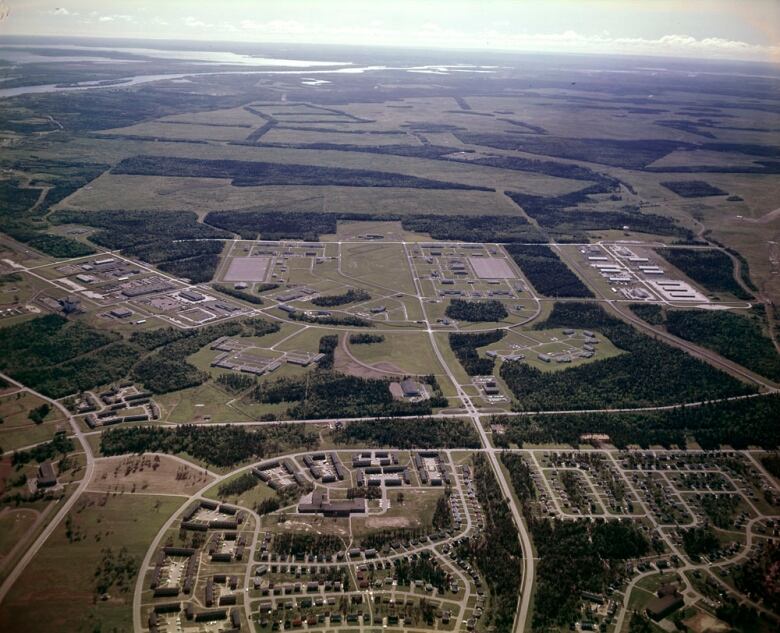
(713, 29)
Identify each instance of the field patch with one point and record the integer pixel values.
(252, 173)
(631, 154)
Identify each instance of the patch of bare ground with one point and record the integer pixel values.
(378, 523)
(316, 525)
(158, 474)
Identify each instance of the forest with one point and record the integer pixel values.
(221, 446)
(23, 208)
(474, 228)
(157, 237)
(561, 216)
(476, 311)
(740, 424)
(465, 348)
(408, 433)
(546, 272)
(58, 357)
(649, 373)
(735, 336)
(713, 269)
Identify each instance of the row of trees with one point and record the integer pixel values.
(409, 433)
(241, 484)
(350, 296)
(219, 445)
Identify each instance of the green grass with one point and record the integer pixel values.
(182, 406)
(411, 352)
(129, 521)
(17, 429)
(381, 265)
(14, 524)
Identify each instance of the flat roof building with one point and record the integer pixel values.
(189, 295)
(46, 475)
(410, 388)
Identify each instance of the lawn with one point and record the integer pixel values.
(411, 352)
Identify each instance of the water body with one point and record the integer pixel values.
(141, 79)
(197, 57)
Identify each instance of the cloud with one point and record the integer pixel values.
(195, 23)
(116, 18)
(431, 34)
(60, 11)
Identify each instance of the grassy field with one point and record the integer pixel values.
(411, 352)
(14, 524)
(416, 511)
(382, 265)
(202, 195)
(128, 521)
(198, 404)
(18, 429)
(159, 474)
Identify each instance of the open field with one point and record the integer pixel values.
(147, 474)
(411, 353)
(112, 191)
(14, 525)
(126, 521)
(18, 429)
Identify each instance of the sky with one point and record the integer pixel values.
(730, 29)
